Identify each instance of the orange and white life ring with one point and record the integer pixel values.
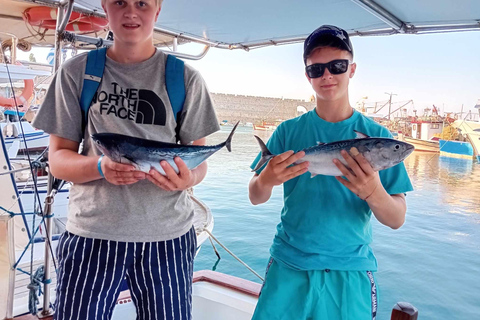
(46, 17)
(21, 99)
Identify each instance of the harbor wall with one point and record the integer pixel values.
(254, 109)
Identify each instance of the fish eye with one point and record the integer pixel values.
(397, 146)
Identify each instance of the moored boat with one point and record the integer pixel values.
(456, 149)
(264, 126)
(471, 130)
(424, 145)
(423, 135)
(36, 140)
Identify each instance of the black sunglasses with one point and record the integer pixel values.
(335, 67)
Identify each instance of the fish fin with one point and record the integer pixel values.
(143, 166)
(128, 160)
(360, 135)
(266, 154)
(228, 142)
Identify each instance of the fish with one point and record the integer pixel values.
(381, 153)
(146, 154)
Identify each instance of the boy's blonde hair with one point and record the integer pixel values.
(159, 2)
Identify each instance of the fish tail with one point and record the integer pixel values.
(228, 142)
(266, 154)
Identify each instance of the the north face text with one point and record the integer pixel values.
(138, 105)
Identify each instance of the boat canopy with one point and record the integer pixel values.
(249, 24)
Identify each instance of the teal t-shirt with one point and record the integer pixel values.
(323, 224)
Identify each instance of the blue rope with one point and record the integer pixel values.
(32, 239)
(28, 245)
(34, 287)
(23, 271)
(11, 213)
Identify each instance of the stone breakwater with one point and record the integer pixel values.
(252, 109)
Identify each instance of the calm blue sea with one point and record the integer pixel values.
(433, 261)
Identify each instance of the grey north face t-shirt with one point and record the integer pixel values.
(132, 100)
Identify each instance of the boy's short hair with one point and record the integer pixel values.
(159, 2)
(327, 36)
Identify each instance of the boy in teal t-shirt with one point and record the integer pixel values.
(322, 264)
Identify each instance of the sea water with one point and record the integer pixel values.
(432, 261)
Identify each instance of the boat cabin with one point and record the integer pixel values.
(424, 130)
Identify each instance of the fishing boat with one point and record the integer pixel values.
(431, 145)
(474, 139)
(424, 135)
(456, 149)
(470, 129)
(24, 133)
(216, 296)
(264, 126)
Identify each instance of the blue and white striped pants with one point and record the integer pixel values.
(91, 272)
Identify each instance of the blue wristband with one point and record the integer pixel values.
(99, 166)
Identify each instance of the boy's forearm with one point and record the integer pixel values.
(70, 166)
(258, 191)
(199, 173)
(388, 209)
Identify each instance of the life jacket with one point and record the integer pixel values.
(174, 82)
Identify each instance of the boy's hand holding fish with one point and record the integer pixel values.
(366, 184)
(172, 181)
(119, 173)
(361, 179)
(280, 169)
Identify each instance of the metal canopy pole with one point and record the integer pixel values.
(175, 44)
(63, 15)
(98, 42)
(382, 14)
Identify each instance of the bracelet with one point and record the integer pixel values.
(99, 166)
(370, 193)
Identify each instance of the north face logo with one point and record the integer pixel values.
(150, 108)
(141, 106)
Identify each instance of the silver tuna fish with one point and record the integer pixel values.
(381, 153)
(146, 154)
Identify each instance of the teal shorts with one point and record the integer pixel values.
(288, 294)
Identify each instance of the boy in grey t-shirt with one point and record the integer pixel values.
(124, 223)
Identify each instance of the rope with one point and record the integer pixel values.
(32, 238)
(35, 286)
(11, 213)
(233, 255)
(21, 44)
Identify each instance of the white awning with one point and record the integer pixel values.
(252, 23)
(255, 23)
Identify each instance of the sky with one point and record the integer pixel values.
(434, 69)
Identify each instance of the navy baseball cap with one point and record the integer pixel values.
(326, 34)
